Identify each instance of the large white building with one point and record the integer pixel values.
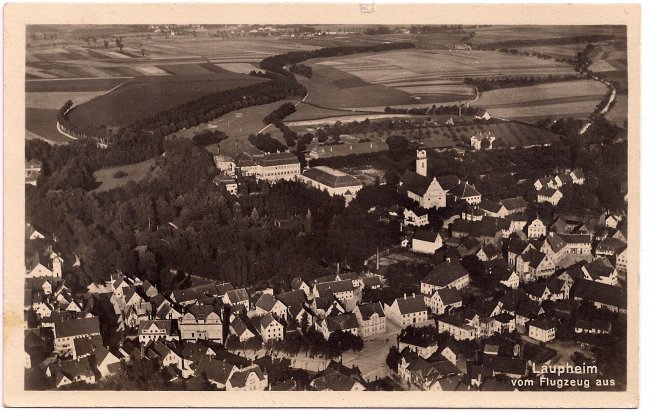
(270, 167)
(335, 182)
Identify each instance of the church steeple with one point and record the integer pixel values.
(421, 161)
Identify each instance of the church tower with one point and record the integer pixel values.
(421, 161)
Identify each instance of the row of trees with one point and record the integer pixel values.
(301, 69)
(487, 84)
(276, 116)
(266, 143)
(208, 137)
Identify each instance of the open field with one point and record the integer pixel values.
(531, 32)
(56, 99)
(324, 91)
(406, 77)
(146, 96)
(425, 66)
(309, 112)
(73, 85)
(572, 98)
(135, 172)
(76, 59)
(42, 123)
(238, 125)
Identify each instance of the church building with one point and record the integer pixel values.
(426, 191)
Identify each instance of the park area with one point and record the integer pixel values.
(113, 177)
(238, 125)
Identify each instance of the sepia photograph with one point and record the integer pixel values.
(434, 207)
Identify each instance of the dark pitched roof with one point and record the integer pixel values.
(215, 370)
(415, 182)
(266, 302)
(444, 274)
(408, 305)
(371, 281)
(74, 327)
(342, 322)
(547, 192)
(237, 296)
(505, 365)
(333, 381)
(543, 323)
(275, 159)
(330, 177)
(367, 310)
(223, 288)
(490, 206)
(335, 287)
(449, 296)
(464, 190)
(600, 267)
(514, 203)
(296, 283)
(611, 244)
(448, 182)
(426, 235)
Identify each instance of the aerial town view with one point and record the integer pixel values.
(326, 208)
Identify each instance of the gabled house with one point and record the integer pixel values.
(371, 319)
(249, 379)
(443, 300)
(342, 290)
(153, 330)
(407, 310)
(418, 217)
(505, 275)
(577, 243)
(458, 327)
(488, 252)
(69, 372)
(549, 195)
(465, 192)
(201, 322)
(493, 209)
(237, 297)
(299, 284)
(555, 247)
(268, 327)
(239, 329)
(334, 380)
(542, 329)
(578, 177)
(445, 275)
(426, 241)
(44, 264)
(536, 229)
(343, 322)
(514, 205)
(109, 362)
(266, 303)
(602, 271)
